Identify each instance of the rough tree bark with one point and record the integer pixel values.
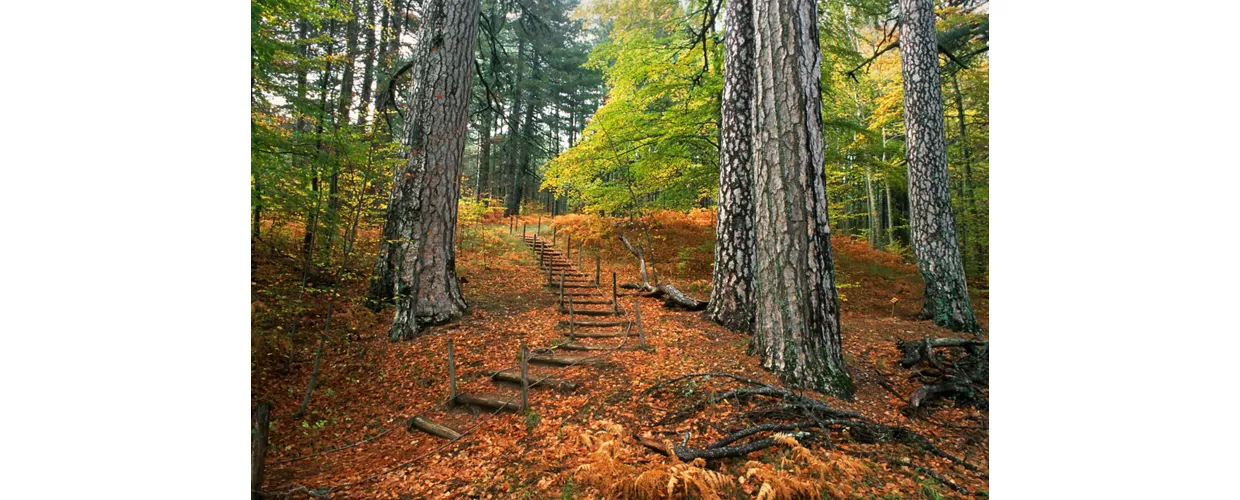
(438, 119)
(731, 294)
(933, 229)
(796, 327)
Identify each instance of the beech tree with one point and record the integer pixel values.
(430, 181)
(933, 228)
(731, 292)
(796, 328)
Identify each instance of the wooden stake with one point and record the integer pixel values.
(572, 331)
(523, 226)
(598, 265)
(258, 447)
(569, 248)
(525, 378)
(539, 230)
(451, 374)
(561, 289)
(641, 335)
(615, 305)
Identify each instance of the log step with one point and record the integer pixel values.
(589, 302)
(557, 360)
(603, 335)
(581, 294)
(514, 376)
(575, 285)
(564, 323)
(487, 402)
(576, 346)
(589, 312)
(433, 428)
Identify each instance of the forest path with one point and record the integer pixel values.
(578, 296)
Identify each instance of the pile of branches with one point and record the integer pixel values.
(961, 373)
(778, 410)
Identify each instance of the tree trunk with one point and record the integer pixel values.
(484, 154)
(439, 118)
(891, 216)
(512, 205)
(368, 73)
(731, 302)
(933, 229)
(872, 217)
(342, 106)
(796, 327)
(324, 115)
(965, 192)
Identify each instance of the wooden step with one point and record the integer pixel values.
(594, 324)
(589, 312)
(514, 376)
(489, 402)
(577, 346)
(580, 294)
(603, 335)
(560, 360)
(581, 302)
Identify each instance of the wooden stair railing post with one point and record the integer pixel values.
(569, 248)
(525, 378)
(258, 448)
(523, 226)
(641, 335)
(572, 331)
(539, 229)
(561, 289)
(598, 265)
(615, 304)
(451, 374)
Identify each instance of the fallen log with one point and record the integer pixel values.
(689, 454)
(431, 427)
(916, 351)
(552, 382)
(929, 392)
(673, 297)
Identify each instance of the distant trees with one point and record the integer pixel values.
(796, 328)
(731, 296)
(933, 228)
(430, 182)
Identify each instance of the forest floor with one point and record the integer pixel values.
(579, 444)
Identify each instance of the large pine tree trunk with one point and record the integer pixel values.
(439, 117)
(796, 327)
(932, 226)
(731, 294)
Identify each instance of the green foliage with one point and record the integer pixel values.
(654, 140)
